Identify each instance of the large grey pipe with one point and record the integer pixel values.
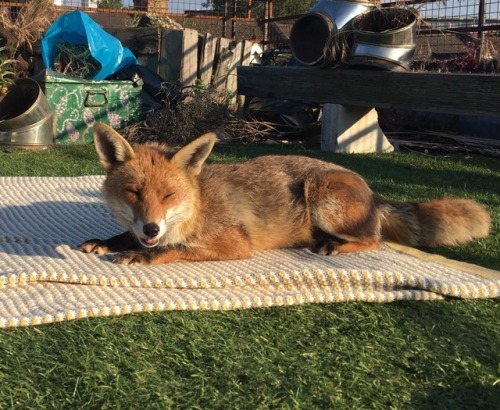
(318, 37)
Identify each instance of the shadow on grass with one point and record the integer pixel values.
(450, 344)
(473, 396)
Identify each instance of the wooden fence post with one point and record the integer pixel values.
(178, 62)
(208, 45)
(222, 63)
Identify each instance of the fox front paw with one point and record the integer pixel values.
(326, 248)
(97, 246)
(133, 258)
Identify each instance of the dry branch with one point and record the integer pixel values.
(34, 17)
(199, 112)
(443, 142)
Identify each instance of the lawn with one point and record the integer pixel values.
(436, 355)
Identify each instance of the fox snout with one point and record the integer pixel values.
(151, 231)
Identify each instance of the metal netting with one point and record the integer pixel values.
(446, 28)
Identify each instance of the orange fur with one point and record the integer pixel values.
(176, 208)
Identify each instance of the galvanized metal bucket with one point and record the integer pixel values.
(384, 39)
(318, 37)
(26, 119)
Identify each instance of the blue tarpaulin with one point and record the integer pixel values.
(78, 28)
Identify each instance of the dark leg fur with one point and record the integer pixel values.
(119, 243)
(325, 244)
(344, 214)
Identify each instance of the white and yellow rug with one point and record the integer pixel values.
(43, 279)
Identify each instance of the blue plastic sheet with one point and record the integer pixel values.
(78, 28)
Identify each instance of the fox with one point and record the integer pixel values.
(174, 206)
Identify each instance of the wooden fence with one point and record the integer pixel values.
(349, 122)
(187, 57)
(184, 57)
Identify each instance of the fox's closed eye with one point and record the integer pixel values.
(134, 191)
(165, 197)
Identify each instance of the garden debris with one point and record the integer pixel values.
(289, 117)
(32, 18)
(76, 61)
(195, 111)
(443, 142)
(157, 20)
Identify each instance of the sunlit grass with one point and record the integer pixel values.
(435, 355)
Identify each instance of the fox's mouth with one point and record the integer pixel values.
(149, 242)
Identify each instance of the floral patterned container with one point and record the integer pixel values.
(79, 103)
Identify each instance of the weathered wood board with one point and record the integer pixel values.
(222, 62)
(207, 49)
(465, 94)
(179, 56)
(142, 41)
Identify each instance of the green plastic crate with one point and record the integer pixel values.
(79, 103)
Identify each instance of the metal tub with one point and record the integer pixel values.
(39, 135)
(26, 119)
(384, 39)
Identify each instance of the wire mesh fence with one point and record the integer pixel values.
(446, 29)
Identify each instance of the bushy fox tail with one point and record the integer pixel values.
(439, 222)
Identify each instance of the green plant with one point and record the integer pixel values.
(6, 70)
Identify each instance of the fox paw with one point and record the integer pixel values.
(335, 247)
(328, 248)
(132, 258)
(96, 246)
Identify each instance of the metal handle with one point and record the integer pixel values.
(89, 102)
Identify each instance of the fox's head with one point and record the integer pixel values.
(152, 191)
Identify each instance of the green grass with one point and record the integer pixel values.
(422, 355)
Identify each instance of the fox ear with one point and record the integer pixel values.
(111, 147)
(192, 156)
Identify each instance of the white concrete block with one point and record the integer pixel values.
(352, 130)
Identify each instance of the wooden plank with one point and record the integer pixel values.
(144, 42)
(246, 52)
(246, 56)
(140, 40)
(179, 56)
(231, 79)
(464, 94)
(189, 62)
(329, 123)
(169, 65)
(223, 59)
(208, 44)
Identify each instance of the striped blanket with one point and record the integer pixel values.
(43, 279)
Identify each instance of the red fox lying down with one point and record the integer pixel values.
(175, 208)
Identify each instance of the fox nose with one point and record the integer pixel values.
(151, 230)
